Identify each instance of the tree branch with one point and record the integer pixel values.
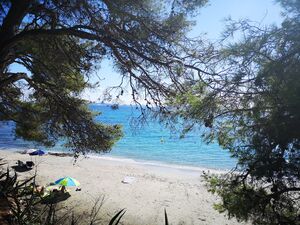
(11, 78)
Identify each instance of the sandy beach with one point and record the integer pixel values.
(180, 191)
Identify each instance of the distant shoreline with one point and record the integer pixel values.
(146, 163)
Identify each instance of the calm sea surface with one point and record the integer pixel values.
(151, 142)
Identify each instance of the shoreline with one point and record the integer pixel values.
(162, 165)
(181, 192)
(147, 163)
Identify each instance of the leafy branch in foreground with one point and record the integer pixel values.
(50, 52)
(251, 107)
(254, 202)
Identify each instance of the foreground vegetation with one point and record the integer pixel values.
(247, 94)
(59, 46)
(251, 106)
(23, 204)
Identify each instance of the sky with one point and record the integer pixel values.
(209, 24)
(212, 16)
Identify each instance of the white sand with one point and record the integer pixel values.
(155, 188)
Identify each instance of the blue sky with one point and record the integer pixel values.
(211, 18)
(209, 23)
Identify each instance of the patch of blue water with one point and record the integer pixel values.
(150, 142)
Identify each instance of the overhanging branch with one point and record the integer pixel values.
(11, 78)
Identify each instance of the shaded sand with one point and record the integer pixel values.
(155, 188)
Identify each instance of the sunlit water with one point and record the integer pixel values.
(151, 143)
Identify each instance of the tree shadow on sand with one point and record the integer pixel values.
(21, 169)
(55, 197)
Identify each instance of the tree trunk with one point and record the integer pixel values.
(8, 30)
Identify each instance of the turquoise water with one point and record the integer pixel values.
(150, 142)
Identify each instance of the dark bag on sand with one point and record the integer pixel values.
(29, 164)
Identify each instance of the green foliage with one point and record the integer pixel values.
(61, 44)
(251, 202)
(21, 205)
(116, 218)
(250, 104)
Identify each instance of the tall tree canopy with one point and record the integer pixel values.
(245, 93)
(60, 43)
(251, 106)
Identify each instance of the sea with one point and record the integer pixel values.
(145, 141)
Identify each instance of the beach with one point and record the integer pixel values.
(152, 188)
